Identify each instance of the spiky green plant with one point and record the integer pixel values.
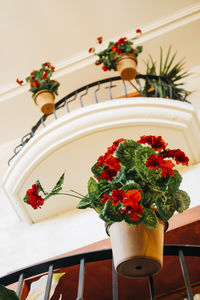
(169, 72)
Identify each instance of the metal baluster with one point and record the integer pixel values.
(66, 105)
(114, 282)
(54, 113)
(82, 96)
(185, 276)
(95, 92)
(81, 280)
(42, 121)
(49, 281)
(19, 286)
(125, 88)
(151, 288)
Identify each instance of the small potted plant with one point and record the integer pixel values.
(120, 56)
(135, 190)
(42, 87)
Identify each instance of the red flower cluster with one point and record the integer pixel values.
(34, 199)
(91, 50)
(157, 162)
(157, 143)
(111, 163)
(178, 155)
(129, 200)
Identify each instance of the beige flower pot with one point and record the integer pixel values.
(126, 65)
(45, 100)
(137, 250)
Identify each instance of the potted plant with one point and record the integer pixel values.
(42, 87)
(135, 190)
(169, 74)
(120, 56)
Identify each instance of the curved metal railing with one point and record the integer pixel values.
(145, 85)
(101, 255)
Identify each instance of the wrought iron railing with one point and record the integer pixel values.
(84, 258)
(145, 85)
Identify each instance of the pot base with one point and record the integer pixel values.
(45, 100)
(137, 267)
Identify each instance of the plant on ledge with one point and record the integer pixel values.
(118, 55)
(41, 85)
(169, 74)
(132, 182)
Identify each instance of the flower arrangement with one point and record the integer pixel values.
(108, 57)
(41, 79)
(133, 181)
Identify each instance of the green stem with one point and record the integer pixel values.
(66, 194)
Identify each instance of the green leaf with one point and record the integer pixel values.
(182, 199)
(166, 207)
(97, 170)
(93, 189)
(84, 203)
(149, 218)
(111, 213)
(57, 188)
(145, 173)
(126, 152)
(7, 294)
(174, 182)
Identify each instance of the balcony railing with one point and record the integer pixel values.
(83, 261)
(109, 88)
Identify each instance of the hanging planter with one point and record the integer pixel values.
(119, 56)
(137, 250)
(126, 66)
(45, 100)
(42, 87)
(135, 190)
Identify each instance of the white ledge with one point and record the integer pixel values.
(74, 142)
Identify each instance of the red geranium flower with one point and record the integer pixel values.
(178, 155)
(98, 62)
(105, 68)
(91, 50)
(112, 162)
(117, 197)
(139, 31)
(167, 167)
(121, 41)
(19, 81)
(36, 83)
(105, 198)
(44, 76)
(52, 67)
(34, 199)
(114, 146)
(108, 174)
(99, 39)
(132, 204)
(47, 64)
(157, 143)
(154, 162)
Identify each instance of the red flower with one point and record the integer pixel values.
(117, 197)
(34, 199)
(36, 83)
(98, 62)
(112, 162)
(114, 146)
(52, 68)
(108, 174)
(105, 68)
(19, 81)
(44, 76)
(154, 162)
(139, 31)
(121, 41)
(167, 167)
(47, 64)
(178, 155)
(132, 205)
(99, 39)
(91, 50)
(105, 198)
(157, 143)
(32, 72)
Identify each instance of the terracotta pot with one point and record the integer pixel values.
(137, 250)
(126, 65)
(45, 100)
